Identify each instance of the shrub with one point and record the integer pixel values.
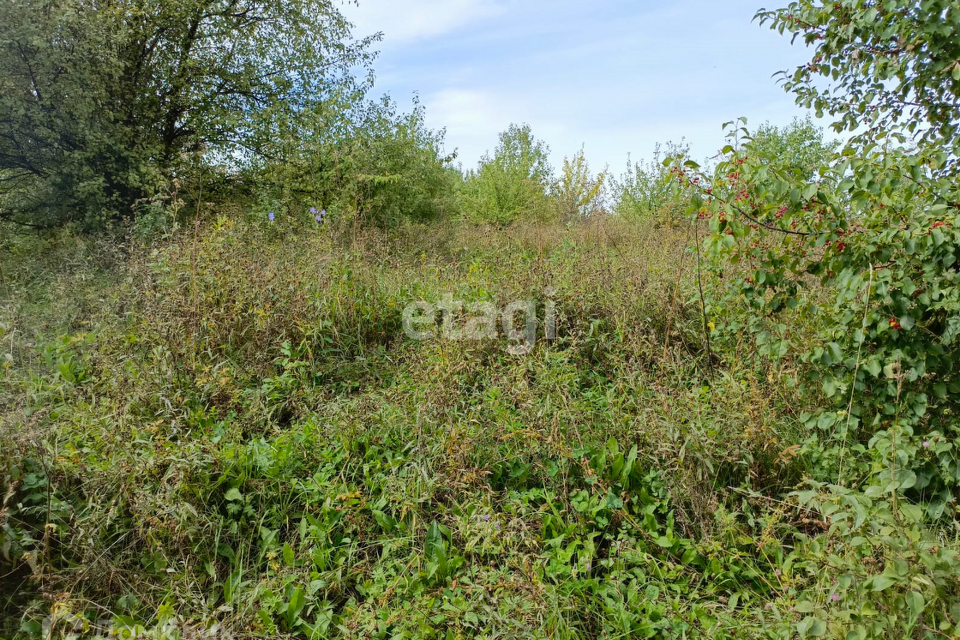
(867, 245)
(645, 190)
(577, 192)
(513, 184)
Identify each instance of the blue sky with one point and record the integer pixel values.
(615, 76)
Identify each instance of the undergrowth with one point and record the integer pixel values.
(228, 431)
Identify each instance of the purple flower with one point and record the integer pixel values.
(270, 216)
(777, 572)
(487, 517)
(768, 606)
(498, 526)
(319, 216)
(313, 210)
(835, 597)
(926, 443)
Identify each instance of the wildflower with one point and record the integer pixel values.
(498, 526)
(487, 518)
(926, 444)
(270, 216)
(313, 210)
(768, 606)
(895, 324)
(319, 216)
(777, 572)
(835, 597)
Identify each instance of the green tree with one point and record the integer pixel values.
(99, 102)
(878, 233)
(364, 160)
(798, 148)
(578, 193)
(511, 185)
(880, 67)
(645, 189)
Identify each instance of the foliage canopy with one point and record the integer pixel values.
(889, 65)
(100, 102)
(513, 184)
(867, 244)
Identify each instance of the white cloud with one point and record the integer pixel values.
(466, 110)
(472, 118)
(403, 21)
(615, 75)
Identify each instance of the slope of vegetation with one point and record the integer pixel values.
(738, 419)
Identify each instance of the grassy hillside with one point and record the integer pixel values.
(228, 430)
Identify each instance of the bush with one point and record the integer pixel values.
(513, 184)
(577, 192)
(865, 246)
(384, 168)
(645, 190)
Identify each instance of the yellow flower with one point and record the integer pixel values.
(712, 327)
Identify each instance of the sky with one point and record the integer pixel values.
(611, 76)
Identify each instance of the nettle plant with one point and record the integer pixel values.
(867, 249)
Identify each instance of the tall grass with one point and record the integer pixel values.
(241, 434)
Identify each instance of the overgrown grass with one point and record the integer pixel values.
(238, 433)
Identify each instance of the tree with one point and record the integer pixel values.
(798, 148)
(645, 189)
(877, 232)
(883, 66)
(578, 193)
(100, 101)
(365, 160)
(513, 183)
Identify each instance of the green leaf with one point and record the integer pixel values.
(387, 523)
(881, 583)
(811, 627)
(628, 465)
(434, 548)
(233, 495)
(231, 584)
(916, 605)
(66, 372)
(830, 386)
(911, 512)
(31, 627)
(294, 606)
(906, 478)
(664, 542)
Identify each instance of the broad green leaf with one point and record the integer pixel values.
(916, 605)
(881, 582)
